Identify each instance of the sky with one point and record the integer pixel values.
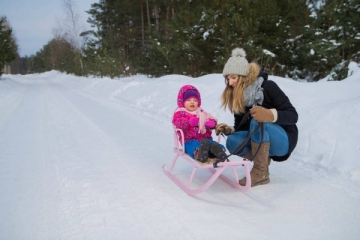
(33, 21)
(82, 158)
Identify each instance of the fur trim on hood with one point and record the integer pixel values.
(253, 73)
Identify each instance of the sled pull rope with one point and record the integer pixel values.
(242, 145)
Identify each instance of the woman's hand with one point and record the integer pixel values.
(261, 114)
(223, 128)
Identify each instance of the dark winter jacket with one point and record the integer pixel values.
(274, 97)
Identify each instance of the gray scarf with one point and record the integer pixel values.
(253, 94)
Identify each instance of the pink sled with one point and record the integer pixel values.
(217, 172)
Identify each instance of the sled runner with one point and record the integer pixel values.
(212, 165)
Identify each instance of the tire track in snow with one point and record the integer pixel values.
(10, 98)
(102, 168)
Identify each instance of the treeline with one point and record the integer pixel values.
(300, 39)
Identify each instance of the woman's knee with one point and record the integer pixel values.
(253, 125)
(258, 136)
(234, 140)
(231, 142)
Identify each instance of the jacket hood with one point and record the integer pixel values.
(183, 89)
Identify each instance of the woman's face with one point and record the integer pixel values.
(232, 79)
(191, 104)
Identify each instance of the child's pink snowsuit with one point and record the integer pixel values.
(181, 118)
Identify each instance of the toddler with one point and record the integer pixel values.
(196, 125)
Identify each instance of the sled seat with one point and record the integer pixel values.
(179, 149)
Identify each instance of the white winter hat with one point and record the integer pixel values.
(237, 63)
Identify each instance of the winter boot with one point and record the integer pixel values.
(218, 151)
(248, 155)
(204, 150)
(260, 171)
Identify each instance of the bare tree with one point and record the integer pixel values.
(142, 23)
(73, 27)
(156, 15)
(148, 14)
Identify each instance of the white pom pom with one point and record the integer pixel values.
(238, 52)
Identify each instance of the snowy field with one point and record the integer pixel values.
(81, 158)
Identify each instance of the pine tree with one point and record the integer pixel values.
(338, 41)
(118, 32)
(182, 47)
(225, 25)
(8, 47)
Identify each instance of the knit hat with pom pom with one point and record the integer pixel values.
(237, 63)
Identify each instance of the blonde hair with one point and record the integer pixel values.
(233, 97)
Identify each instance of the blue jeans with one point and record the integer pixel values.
(190, 146)
(273, 133)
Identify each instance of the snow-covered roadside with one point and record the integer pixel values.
(80, 158)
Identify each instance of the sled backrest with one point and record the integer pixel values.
(178, 138)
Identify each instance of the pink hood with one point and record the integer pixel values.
(183, 89)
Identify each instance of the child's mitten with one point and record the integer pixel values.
(194, 121)
(210, 124)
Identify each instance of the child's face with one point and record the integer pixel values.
(232, 79)
(191, 104)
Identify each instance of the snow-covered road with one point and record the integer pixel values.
(75, 165)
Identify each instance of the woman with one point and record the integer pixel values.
(247, 89)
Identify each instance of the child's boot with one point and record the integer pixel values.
(204, 150)
(218, 151)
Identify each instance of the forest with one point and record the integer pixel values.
(301, 39)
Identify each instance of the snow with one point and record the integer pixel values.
(267, 52)
(81, 158)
